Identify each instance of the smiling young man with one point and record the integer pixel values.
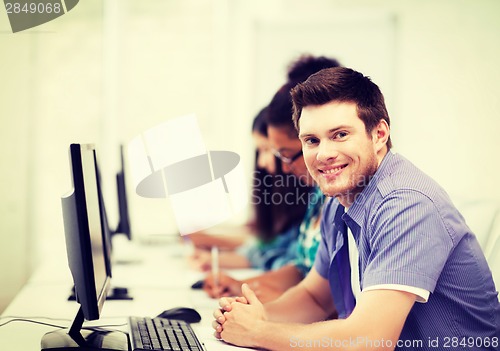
(418, 279)
(287, 149)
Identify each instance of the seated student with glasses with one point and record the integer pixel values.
(286, 147)
(272, 234)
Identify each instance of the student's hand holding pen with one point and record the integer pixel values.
(223, 286)
(228, 286)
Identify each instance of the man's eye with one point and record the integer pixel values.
(340, 135)
(311, 141)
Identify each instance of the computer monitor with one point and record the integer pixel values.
(115, 293)
(123, 226)
(87, 258)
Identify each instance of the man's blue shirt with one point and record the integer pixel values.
(408, 232)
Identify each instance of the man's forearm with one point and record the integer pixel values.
(367, 328)
(300, 305)
(296, 305)
(284, 336)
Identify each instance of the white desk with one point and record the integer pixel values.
(161, 281)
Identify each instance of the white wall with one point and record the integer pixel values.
(51, 95)
(448, 84)
(104, 73)
(15, 185)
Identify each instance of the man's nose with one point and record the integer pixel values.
(327, 151)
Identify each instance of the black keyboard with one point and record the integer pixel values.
(162, 334)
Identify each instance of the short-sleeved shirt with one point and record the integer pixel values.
(408, 232)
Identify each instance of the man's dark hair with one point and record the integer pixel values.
(342, 84)
(280, 109)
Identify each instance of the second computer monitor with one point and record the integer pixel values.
(123, 226)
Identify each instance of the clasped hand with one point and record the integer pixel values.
(238, 319)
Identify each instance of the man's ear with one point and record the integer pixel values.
(380, 135)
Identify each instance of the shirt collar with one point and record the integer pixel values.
(357, 209)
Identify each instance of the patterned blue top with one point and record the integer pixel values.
(297, 246)
(309, 235)
(408, 232)
(273, 255)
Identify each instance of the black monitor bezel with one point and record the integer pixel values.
(78, 236)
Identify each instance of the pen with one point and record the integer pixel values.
(215, 265)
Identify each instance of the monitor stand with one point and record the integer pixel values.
(119, 293)
(116, 293)
(74, 338)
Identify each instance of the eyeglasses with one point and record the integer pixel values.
(288, 160)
